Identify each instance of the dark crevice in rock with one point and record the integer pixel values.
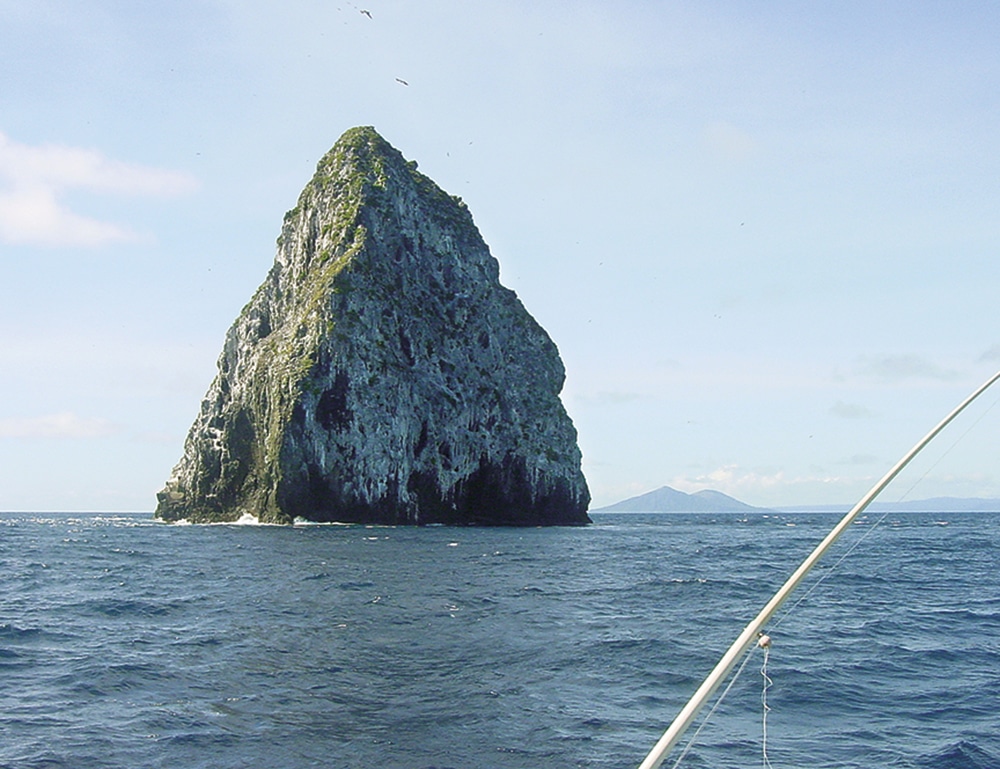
(332, 411)
(407, 347)
(421, 444)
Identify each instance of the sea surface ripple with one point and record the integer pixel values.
(129, 643)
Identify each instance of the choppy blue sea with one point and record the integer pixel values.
(128, 643)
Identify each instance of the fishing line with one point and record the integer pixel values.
(836, 565)
(822, 578)
(881, 519)
(766, 762)
(947, 451)
(708, 717)
(688, 713)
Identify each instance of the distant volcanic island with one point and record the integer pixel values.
(668, 500)
(381, 373)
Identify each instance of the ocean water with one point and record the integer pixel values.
(128, 643)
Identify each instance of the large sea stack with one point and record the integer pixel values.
(381, 373)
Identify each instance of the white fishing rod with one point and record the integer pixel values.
(752, 632)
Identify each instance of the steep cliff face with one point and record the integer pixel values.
(381, 373)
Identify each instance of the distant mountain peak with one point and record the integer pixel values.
(668, 500)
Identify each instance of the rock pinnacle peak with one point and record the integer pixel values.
(381, 373)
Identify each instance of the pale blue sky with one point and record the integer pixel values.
(762, 234)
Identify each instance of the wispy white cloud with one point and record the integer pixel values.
(991, 354)
(754, 485)
(62, 425)
(730, 479)
(859, 459)
(34, 215)
(850, 410)
(33, 178)
(896, 367)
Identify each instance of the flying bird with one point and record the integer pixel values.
(398, 80)
(366, 13)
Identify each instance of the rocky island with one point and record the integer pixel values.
(381, 373)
